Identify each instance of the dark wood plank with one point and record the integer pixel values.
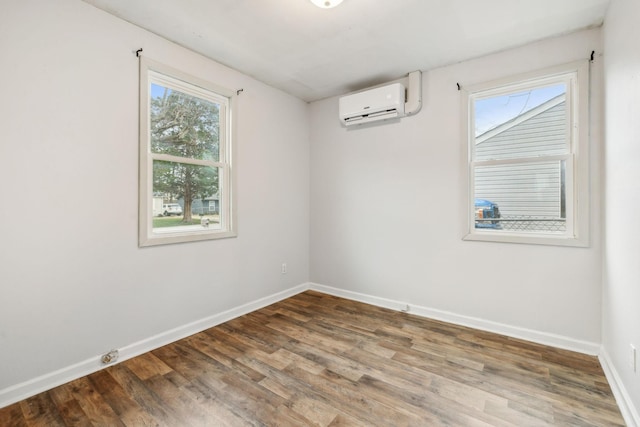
(93, 404)
(69, 408)
(12, 416)
(40, 410)
(316, 359)
(128, 410)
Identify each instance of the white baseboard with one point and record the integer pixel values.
(625, 403)
(45, 382)
(545, 338)
(48, 381)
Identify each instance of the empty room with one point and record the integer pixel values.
(320, 212)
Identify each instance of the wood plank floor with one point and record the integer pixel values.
(315, 359)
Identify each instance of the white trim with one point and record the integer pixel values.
(539, 337)
(18, 392)
(154, 72)
(48, 381)
(625, 403)
(577, 78)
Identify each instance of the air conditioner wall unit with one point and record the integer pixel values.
(381, 103)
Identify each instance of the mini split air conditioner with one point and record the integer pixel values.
(386, 102)
(382, 103)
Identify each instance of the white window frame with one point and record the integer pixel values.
(576, 75)
(151, 71)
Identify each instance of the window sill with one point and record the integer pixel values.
(166, 238)
(522, 238)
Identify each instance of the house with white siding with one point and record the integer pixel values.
(531, 190)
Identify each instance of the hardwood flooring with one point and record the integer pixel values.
(316, 359)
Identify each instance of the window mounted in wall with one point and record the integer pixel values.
(527, 163)
(186, 170)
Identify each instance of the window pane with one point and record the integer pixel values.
(524, 196)
(185, 197)
(528, 123)
(183, 125)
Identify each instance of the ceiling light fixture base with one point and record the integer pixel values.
(326, 4)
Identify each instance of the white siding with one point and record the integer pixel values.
(542, 134)
(531, 189)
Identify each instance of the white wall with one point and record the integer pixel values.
(386, 203)
(621, 301)
(385, 200)
(73, 282)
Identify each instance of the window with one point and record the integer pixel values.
(185, 158)
(527, 158)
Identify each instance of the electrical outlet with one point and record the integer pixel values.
(283, 270)
(632, 358)
(110, 357)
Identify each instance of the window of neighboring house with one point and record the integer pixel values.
(528, 158)
(185, 157)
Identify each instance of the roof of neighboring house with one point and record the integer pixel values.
(521, 118)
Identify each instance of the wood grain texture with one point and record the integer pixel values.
(320, 360)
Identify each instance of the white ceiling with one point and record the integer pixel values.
(315, 53)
